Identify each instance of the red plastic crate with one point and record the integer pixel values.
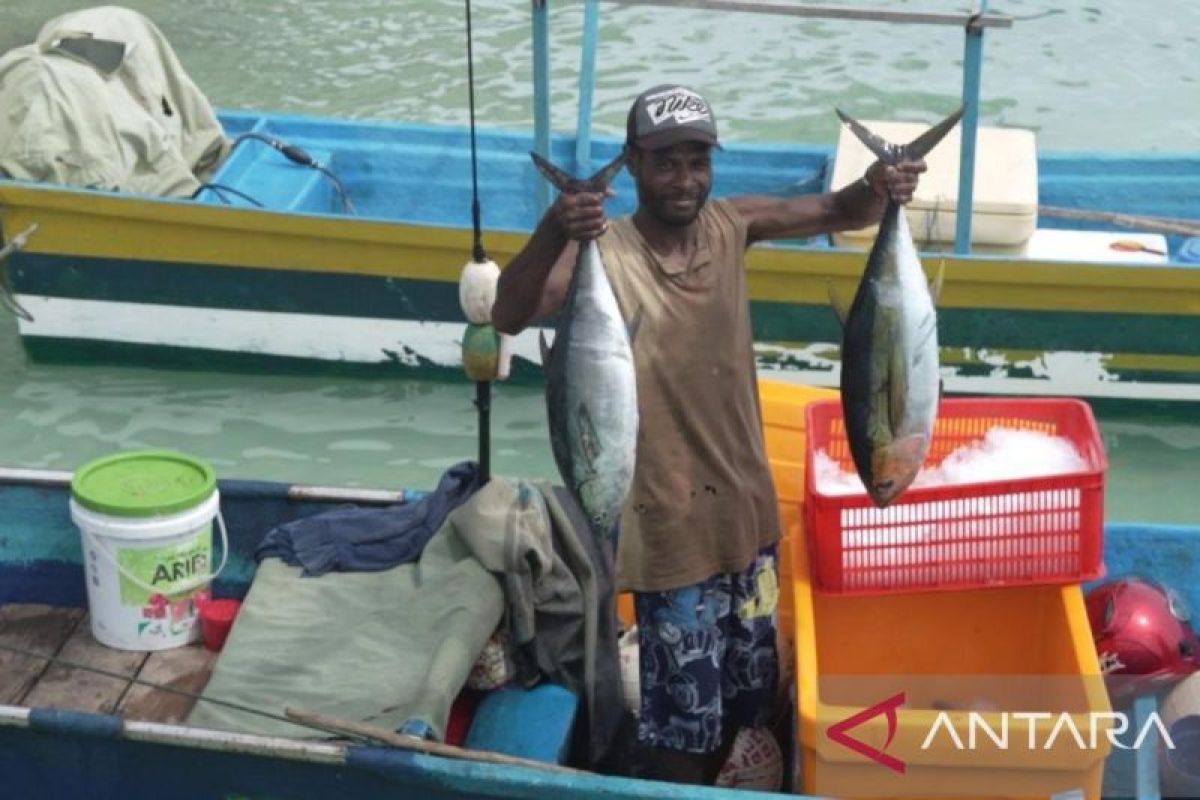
(1044, 529)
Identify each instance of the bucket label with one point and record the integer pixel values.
(167, 570)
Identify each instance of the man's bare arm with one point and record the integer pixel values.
(854, 206)
(535, 282)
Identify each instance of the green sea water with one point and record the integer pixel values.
(1103, 75)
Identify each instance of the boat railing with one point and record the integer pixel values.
(973, 24)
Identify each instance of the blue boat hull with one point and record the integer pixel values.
(302, 285)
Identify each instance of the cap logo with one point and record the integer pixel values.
(679, 104)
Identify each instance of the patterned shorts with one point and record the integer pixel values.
(707, 657)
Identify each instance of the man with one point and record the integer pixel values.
(699, 531)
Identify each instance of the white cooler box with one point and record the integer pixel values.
(1004, 209)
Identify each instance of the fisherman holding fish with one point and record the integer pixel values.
(699, 529)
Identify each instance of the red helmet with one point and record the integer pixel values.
(1142, 635)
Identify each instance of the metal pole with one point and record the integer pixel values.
(483, 404)
(972, 67)
(541, 94)
(1147, 755)
(587, 84)
(830, 12)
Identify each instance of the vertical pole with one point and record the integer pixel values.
(1146, 773)
(972, 67)
(483, 404)
(587, 83)
(541, 94)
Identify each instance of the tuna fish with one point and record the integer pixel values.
(890, 384)
(591, 391)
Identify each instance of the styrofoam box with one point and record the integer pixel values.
(1005, 195)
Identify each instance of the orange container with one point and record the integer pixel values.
(1045, 529)
(785, 434)
(956, 669)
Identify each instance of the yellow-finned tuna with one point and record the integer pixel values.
(890, 381)
(591, 386)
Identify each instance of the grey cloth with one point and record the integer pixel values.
(561, 609)
(100, 100)
(392, 647)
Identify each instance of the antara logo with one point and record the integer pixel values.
(996, 729)
(837, 732)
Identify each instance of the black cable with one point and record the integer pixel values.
(220, 188)
(300, 156)
(337, 184)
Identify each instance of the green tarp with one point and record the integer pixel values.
(384, 647)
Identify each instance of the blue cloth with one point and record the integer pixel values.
(354, 539)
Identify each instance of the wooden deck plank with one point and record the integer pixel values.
(64, 687)
(36, 628)
(187, 668)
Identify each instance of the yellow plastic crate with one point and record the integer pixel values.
(784, 432)
(1032, 643)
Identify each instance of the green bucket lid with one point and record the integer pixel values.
(143, 483)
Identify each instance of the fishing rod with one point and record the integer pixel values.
(483, 388)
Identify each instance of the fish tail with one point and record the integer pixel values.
(890, 153)
(560, 178)
(603, 177)
(565, 182)
(921, 145)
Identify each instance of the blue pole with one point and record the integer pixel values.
(1147, 755)
(541, 94)
(972, 67)
(587, 83)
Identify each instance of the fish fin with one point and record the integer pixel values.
(935, 285)
(921, 145)
(635, 324)
(603, 177)
(545, 348)
(562, 180)
(883, 150)
(839, 308)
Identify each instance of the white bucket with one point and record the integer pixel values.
(144, 573)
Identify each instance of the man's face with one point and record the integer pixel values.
(673, 182)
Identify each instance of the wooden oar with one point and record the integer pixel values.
(365, 730)
(1187, 227)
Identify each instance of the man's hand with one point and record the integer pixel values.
(899, 181)
(581, 215)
